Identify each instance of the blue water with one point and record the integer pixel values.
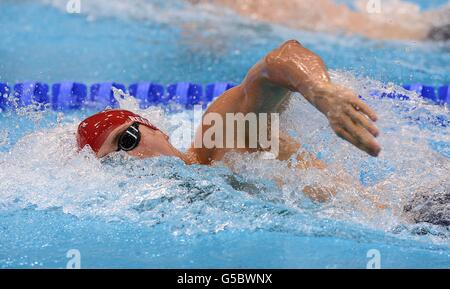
(160, 213)
(40, 42)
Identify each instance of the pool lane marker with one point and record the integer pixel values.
(73, 95)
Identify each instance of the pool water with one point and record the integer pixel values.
(160, 213)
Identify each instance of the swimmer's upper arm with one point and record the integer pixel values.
(229, 102)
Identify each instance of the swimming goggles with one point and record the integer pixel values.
(130, 138)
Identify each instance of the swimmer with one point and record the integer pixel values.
(382, 20)
(266, 88)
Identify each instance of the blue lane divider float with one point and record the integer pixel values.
(185, 93)
(147, 93)
(214, 90)
(4, 93)
(73, 95)
(426, 92)
(393, 95)
(68, 95)
(444, 94)
(102, 94)
(27, 93)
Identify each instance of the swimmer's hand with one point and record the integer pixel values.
(319, 194)
(349, 117)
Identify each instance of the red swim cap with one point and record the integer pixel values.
(94, 130)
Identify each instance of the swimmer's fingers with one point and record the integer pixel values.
(360, 105)
(342, 133)
(362, 120)
(360, 137)
(350, 121)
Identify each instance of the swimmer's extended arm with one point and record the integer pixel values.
(293, 68)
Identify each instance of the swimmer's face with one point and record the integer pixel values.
(153, 143)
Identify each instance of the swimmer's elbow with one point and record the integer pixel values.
(294, 67)
(281, 53)
(291, 42)
(279, 72)
(278, 67)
